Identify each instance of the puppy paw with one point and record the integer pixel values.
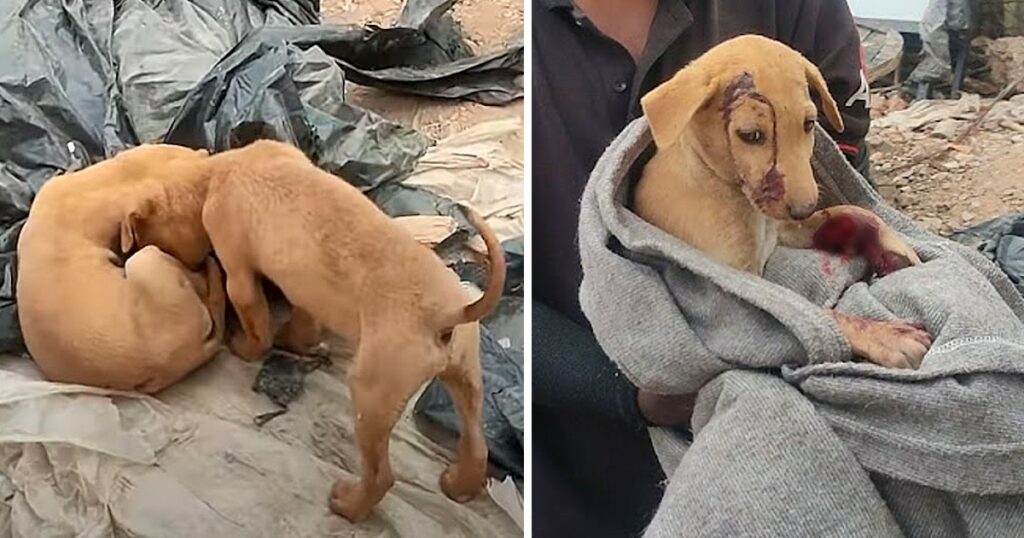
(896, 345)
(891, 254)
(459, 486)
(244, 348)
(892, 344)
(320, 353)
(348, 501)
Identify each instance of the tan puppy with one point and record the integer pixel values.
(734, 132)
(87, 318)
(345, 265)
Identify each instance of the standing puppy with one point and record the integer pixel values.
(732, 177)
(345, 265)
(139, 325)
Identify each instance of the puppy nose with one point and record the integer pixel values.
(800, 212)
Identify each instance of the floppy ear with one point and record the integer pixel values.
(670, 107)
(816, 81)
(130, 226)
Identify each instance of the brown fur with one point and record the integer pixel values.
(344, 265)
(732, 173)
(85, 318)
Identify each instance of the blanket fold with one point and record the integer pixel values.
(797, 437)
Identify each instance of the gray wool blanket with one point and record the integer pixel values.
(792, 437)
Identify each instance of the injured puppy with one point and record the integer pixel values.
(344, 265)
(734, 133)
(139, 325)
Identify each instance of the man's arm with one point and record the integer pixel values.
(824, 31)
(572, 373)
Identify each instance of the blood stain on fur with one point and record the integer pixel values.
(773, 187)
(742, 85)
(856, 235)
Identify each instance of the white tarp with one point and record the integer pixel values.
(85, 462)
(481, 166)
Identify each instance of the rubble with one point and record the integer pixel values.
(942, 181)
(1004, 56)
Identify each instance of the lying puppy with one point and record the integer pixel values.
(732, 177)
(343, 264)
(141, 325)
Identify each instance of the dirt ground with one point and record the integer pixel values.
(924, 169)
(488, 26)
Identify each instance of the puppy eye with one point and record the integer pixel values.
(751, 137)
(809, 125)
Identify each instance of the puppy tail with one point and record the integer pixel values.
(496, 280)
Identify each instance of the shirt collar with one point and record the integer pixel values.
(677, 10)
(557, 4)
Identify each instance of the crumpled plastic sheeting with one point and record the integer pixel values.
(80, 81)
(420, 13)
(192, 464)
(269, 88)
(439, 63)
(1002, 241)
(481, 166)
(491, 79)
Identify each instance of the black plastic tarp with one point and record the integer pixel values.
(1002, 241)
(80, 81)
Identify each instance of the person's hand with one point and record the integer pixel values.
(666, 410)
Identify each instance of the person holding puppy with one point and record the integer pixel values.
(595, 471)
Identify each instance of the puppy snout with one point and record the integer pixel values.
(800, 211)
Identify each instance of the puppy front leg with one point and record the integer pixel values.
(250, 304)
(214, 298)
(852, 231)
(299, 334)
(887, 343)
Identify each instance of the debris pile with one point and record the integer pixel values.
(949, 164)
(1004, 56)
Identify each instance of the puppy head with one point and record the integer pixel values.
(745, 107)
(179, 234)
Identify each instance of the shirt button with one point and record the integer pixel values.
(620, 87)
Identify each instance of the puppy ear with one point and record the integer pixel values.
(131, 224)
(817, 82)
(670, 107)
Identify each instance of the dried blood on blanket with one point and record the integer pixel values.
(856, 235)
(826, 264)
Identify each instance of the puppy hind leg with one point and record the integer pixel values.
(382, 380)
(465, 478)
